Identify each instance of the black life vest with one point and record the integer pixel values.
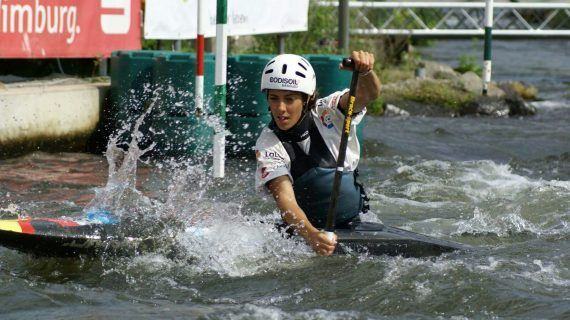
(313, 176)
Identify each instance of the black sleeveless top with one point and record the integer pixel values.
(319, 154)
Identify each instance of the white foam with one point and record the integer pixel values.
(502, 201)
(484, 179)
(501, 225)
(548, 274)
(551, 104)
(477, 180)
(295, 297)
(493, 264)
(370, 216)
(252, 311)
(423, 290)
(408, 202)
(399, 267)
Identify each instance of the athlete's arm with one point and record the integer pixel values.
(368, 88)
(282, 191)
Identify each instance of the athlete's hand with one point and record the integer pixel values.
(363, 61)
(321, 243)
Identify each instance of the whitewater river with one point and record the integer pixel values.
(500, 184)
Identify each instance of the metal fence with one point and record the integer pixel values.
(456, 19)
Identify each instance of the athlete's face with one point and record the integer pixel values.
(286, 107)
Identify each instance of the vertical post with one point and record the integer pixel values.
(178, 45)
(281, 37)
(103, 66)
(220, 96)
(488, 41)
(343, 26)
(199, 85)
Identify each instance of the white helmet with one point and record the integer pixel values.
(289, 72)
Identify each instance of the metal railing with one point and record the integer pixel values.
(457, 19)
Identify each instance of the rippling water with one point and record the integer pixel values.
(501, 184)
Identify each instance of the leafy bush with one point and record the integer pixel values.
(469, 63)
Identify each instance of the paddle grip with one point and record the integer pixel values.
(347, 63)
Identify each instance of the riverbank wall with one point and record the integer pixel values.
(59, 115)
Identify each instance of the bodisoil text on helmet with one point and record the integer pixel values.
(286, 82)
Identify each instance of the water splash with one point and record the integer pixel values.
(119, 196)
(231, 244)
(213, 236)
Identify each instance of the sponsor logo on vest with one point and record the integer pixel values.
(286, 82)
(273, 156)
(326, 119)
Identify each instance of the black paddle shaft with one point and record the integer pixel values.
(331, 215)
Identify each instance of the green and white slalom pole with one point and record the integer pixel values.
(199, 85)
(221, 79)
(488, 41)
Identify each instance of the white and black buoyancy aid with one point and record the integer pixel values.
(313, 175)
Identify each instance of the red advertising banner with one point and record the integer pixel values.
(68, 28)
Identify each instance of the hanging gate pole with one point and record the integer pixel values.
(488, 40)
(199, 86)
(221, 79)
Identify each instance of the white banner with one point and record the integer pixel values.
(177, 19)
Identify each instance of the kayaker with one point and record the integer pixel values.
(296, 153)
